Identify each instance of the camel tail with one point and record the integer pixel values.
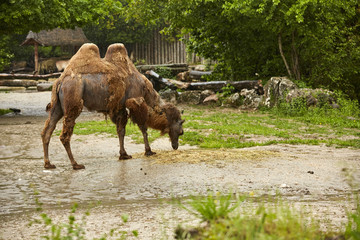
(54, 96)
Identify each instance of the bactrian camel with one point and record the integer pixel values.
(111, 85)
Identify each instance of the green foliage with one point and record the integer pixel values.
(353, 226)
(272, 220)
(18, 17)
(212, 207)
(73, 229)
(5, 53)
(48, 52)
(347, 115)
(164, 72)
(22, 16)
(10, 45)
(318, 40)
(115, 28)
(227, 90)
(225, 93)
(4, 111)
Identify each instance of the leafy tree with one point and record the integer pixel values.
(117, 29)
(21, 16)
(18, 17)
(316, 41)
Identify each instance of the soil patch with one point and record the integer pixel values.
(310, 176)
(209, 155)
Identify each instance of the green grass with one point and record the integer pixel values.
(4, 111)
(99, 127)
(228, 217)
(227, 128)
(219, 128)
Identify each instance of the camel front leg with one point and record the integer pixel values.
(148, 151)
(121, 122)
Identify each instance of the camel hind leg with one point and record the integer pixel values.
(54, 116)
(67, 131)
(70, 96)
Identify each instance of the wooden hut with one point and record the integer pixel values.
(56, 37)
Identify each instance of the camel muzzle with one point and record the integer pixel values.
(175, 146)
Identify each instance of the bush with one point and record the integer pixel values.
(164, 72)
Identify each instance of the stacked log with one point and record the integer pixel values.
(28, 76)
(215, 86)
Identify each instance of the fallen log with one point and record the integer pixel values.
(217, 86)
(18, 83)
(158, 81)
(196, 75)
(178, 66)
(29, 76)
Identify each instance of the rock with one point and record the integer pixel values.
(190, 97)
(313, 97)
(281, 88)
(275, 89)
(211, 99)
(44, 86)
(169, 95)
(234, 100)
(251, 100)
(183, 76)
(206, 93)
(200, 67)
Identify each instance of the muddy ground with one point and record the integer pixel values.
(311, 177)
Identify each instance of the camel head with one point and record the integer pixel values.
(174, 124)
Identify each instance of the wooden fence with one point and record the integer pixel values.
(162, 51)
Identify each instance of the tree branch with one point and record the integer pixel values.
(283, 56)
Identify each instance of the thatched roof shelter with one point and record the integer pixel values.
(56, 37)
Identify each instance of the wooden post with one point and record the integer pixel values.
(36, 57)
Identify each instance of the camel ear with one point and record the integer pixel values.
(182, 111)
(182, 121)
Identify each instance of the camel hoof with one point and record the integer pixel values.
(49, 166)
(149, 153)
(78, 166)
(124, 157)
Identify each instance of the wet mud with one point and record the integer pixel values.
(143, 187)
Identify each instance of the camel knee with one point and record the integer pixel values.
(65, 139)
(65, 136)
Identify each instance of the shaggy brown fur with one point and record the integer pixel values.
(108, 85)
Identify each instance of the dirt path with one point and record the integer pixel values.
(142, 187)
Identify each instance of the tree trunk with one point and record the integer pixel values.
(295, 58)
(283, 56)
(36, 56)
